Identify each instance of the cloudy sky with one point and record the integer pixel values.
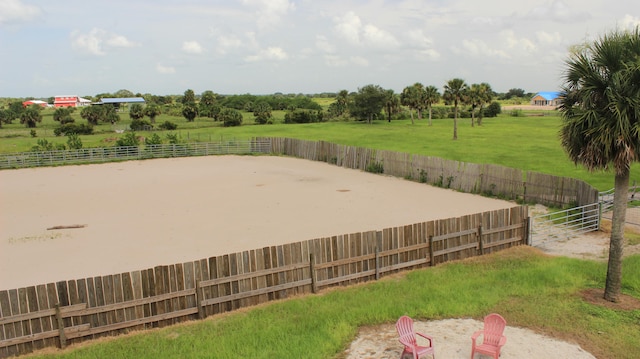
(164, 47)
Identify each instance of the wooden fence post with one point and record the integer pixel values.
(312, 270)
(431, 259)
(527, 231)
(481, 244)
(201, 312)
(63, 338)
(377, 263)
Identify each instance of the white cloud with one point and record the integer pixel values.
(226, 43)
(191, 47)
(558, 11)
(270, 53)
(379, 38)
(479, 48)
(14, 11)
(360, 61)
(165, 69)
(270, 12)
(422, 43)
(350, 28)
(323, 44)
(335, 61)
(547, 38)
(630, 22)
(515, 43)
(119, 41)
(97, 40)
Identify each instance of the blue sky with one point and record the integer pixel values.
(164, 47)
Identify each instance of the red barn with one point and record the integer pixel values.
(34, 102)
(70, 101)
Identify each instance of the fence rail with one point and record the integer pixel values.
(112, 154)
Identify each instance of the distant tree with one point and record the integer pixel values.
(432, 97)
(514, 92)
(63, 115)
(93, 114)
(391, 104)
(189, 97)
(152, 110)
(368, 102)
(262, 113)
(16, 108)
(100, 113)
(411, 98)
(486, 96)
(492, 110)
(7, 116)
(190, 111)
(31, 116)
(600, 110)
(136, 111)
(231, 117)
(207, 104)
(123, 93)
(454, 92)
(473, 99)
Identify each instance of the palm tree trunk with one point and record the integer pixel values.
(455, 122)
(614, 267)
(430, 111)
(411, 112)
(473, 117)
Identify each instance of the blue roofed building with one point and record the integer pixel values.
(548, 98)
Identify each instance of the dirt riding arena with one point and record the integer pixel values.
(76, 222)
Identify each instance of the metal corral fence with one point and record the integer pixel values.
(564, 224)
(112, 154)
(72, 311)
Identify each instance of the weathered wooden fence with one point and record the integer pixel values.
(487, 179)
(67, 312)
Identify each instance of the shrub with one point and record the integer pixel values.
(140, 125)
(231, 117)
(168, 125)
(73, 141)
(493, 110)
(153, 140)
(68, 128)
(173, 138)
(303, 116)
(129, 139)
(375, 167)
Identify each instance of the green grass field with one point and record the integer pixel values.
(530, 143)
(535, 291)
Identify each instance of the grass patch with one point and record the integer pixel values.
(528, 143)
(530, 289)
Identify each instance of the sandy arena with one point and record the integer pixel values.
(140, 214)
(135, 215)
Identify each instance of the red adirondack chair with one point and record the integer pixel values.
(407, 336)
(492, 337)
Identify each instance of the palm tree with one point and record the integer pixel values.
(486, 96)
(432, 96)
(454, 92)
(601, 119)
(408, 98)
(391, 104)
(474, 98)
(31, 116)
